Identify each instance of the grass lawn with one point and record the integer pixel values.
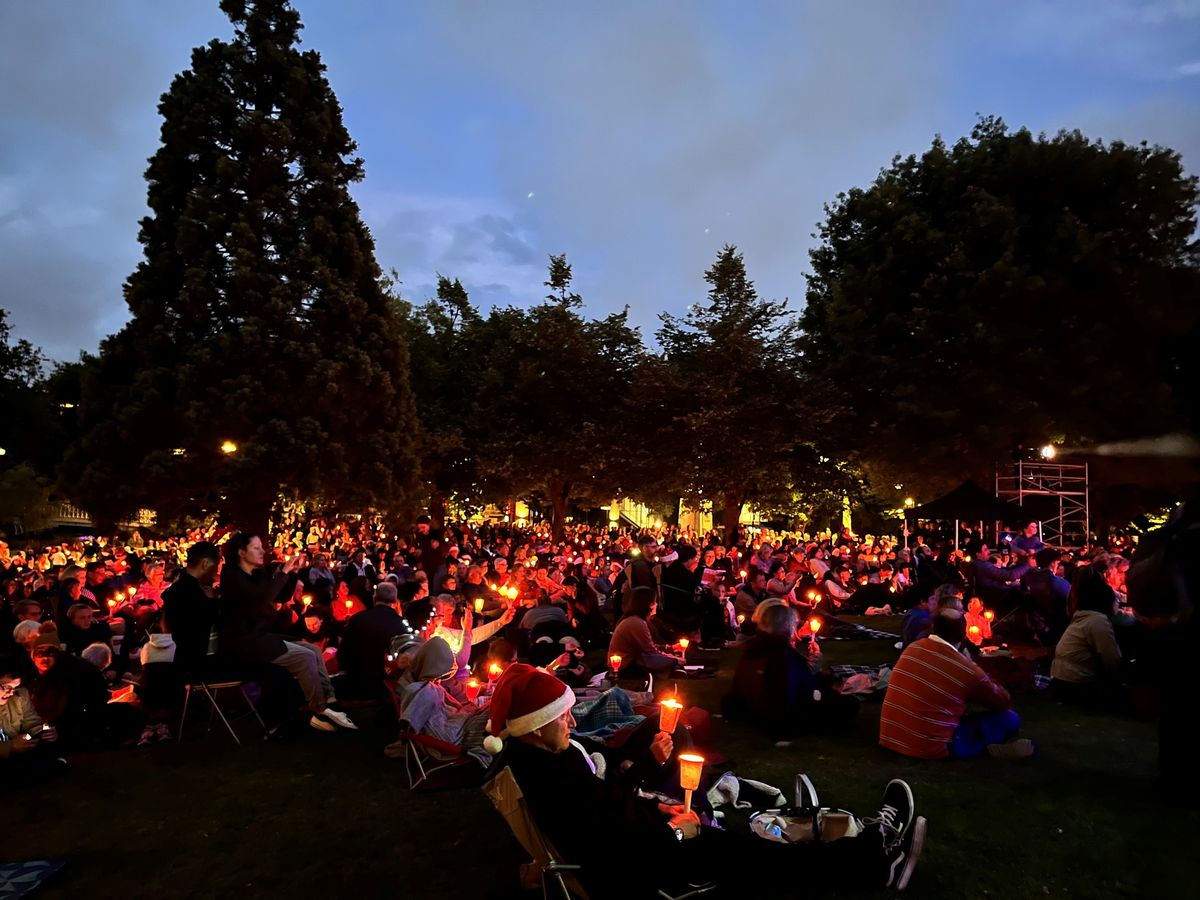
(328, 815)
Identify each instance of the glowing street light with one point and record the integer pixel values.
(1048, 452)
(228, 447)
(909, 502)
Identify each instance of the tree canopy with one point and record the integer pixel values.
(1007, 290)
(258, 317)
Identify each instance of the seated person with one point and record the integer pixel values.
(918, 621)
(81, 629)
(749, 594)
(631, 638)
(839, 589)
(775, 688)
(546, 612)
(26, 742)
(427, 708)
(594, 822)
(361, 654)
(925, 707)
(680, 583)
(72, 695)
(1087, 659)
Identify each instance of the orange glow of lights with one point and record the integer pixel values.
(615, 662)
(683, 643)
(111, 603)
(349, 604)
(741, 618)
(814, 625)
(472, 689)
(307, 599)
(495, 670)
(989, 615)
(478, 604)
(690, 766)
(668, 718)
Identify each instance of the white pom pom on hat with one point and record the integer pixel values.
(525, 699)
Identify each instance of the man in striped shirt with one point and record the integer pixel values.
(925, 707)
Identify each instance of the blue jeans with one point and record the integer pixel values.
(977, 730)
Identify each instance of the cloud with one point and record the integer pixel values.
(1192, 68)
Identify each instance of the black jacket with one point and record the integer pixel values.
(248, 614)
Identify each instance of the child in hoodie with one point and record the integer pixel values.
(160, 690)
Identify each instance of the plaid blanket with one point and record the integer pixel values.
(606, 714)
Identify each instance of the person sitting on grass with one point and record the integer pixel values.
(775, 687)
(81, 629)
(632, 641)
(595, 822)
(918, 621)
(26, 742)
(1087, 659)
(925, 707)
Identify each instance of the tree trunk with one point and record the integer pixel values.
(560, 491)
(733, 512)
(437, 508)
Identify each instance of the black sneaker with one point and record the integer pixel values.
(903, 857)
(896, 813)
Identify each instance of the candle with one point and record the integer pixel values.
(813, 596)
(478, 604)
(132, 591)
(349, 604)
(742, 573)
(495, 670)
(669, 716)
(615, 662)
(472, 689)
(112, 603)
(989, 615)
(307, 599)
(683, 645)
(814, 625)
(690, 765)
(741, 618)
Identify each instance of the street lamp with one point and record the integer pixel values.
(1048, 452)
(228, 447)
(909, 502)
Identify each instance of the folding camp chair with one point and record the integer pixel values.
(212, 690)
(547, 867)
(426, 756)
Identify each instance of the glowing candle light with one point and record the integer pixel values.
(690, 767)
(495, 670)
(741, 618)
(132, 591)
(989, 615)
(814, 625)
(615, 662)
(743, 573)
(472, 689)
(307, 599)
(112, 603)
(478, 604)
(349, 604)
(668, 718)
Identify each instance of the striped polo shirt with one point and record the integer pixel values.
(928, 693)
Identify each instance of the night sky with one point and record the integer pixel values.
(637, 137)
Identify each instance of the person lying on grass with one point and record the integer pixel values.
(603, 826)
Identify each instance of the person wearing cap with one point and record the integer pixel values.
(364, 647)
(600, 825)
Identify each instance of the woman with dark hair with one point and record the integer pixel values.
(1087, 660)
(583, 609)
(632, 641)
(249, 612)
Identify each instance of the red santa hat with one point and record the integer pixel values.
(525, 699)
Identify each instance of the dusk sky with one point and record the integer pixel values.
(637, 137)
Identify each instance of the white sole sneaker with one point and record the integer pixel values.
(911, 857)
(338, 718)
(321, 724)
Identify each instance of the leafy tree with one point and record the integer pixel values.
(551, 390)
(559, 283)
(1004, 291)
(27, 416)
(737, 423)
(24, 500)
(441, 334)
(258, 316)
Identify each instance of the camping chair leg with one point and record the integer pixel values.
(217, 709)
(253, 708)
(187, 695)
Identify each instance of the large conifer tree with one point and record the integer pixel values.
(258, 314)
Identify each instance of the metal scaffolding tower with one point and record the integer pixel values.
(1064, 511)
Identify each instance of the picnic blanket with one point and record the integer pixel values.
(833, 627)
(18, 879)
(605, 715)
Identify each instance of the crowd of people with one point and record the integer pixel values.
(482, 637)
